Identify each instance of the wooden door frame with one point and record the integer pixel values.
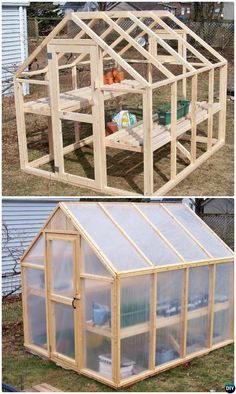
(52, 297)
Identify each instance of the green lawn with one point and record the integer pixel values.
(207, 373)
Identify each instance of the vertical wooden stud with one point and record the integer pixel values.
(211, 305)
(231, 301)
(21, 129)
(147, 142)
(210, 109)
(55, 108)
(152, 49)
(98, 114)
(74, 87)
(184, 314)
(153, 319)
(116, 344)
(193, 118)
(223, 102)
(184, 55)
(173, 159)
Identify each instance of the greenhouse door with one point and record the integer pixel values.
(63, 297)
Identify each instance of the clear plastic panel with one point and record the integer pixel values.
(199, 230)
(90, 262)
(107, 236)
(198, 309)
(36, 306)
(36, 253)
(134, 313)
(62, 267)
(181, 241)
(64, 329)
(169, 308)
(60, 221)
(97, 326)
(223, 305)
(142, 234)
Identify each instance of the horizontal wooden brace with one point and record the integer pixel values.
(78, 117)
(72, 41)
(33, 81)
(68, 48)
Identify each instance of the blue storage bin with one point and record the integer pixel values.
(101, 314)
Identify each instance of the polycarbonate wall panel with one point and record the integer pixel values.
(90, 262)
(97, 326)
(36, 253)
(134, 311)
(170, 287)
(107, 236)
(181, 241)
(223, 303)
(142, 234)
(34, 285)
(198, 309)
(199, 230)
(64, 329)
(60, 221)
(62, 267)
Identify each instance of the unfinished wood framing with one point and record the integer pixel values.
(147, 135)
(95, 305)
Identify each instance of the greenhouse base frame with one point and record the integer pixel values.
(96, 47)
(116, 334)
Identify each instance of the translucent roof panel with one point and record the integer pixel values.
(182, 242)
(36, 252)
(141, 232)
(200, 231)
(107, 236)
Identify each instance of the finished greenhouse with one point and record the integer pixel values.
(122, 291)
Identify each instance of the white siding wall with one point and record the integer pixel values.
(14, 42)
(23, 220)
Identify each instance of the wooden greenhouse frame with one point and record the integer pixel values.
(146, 136)
(65, 225)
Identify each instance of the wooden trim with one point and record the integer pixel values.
(210, 109)
(153, 321)
(97, 277)
(223, 102)
(184, 314)
(33, 266)
(211, 305)
(33, 81)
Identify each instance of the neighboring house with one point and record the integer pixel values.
(183, 10)
(218, 213)
(14, 41)
(69, 6)
(228, 11)
(21, 220)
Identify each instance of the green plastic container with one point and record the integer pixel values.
(164, 112)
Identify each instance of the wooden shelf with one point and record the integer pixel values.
(79, 98)
(132, 137)
(161, 322)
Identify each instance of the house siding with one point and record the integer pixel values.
(14, 43)
(23, 220)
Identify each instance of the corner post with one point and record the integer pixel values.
(20, 120)
(116, 344)
(211, 305)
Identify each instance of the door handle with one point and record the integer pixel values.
(76, 298)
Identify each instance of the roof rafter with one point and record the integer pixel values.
(196, 37)
(140, 49)
(161, 42)
(181, 39)
(109, 50)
